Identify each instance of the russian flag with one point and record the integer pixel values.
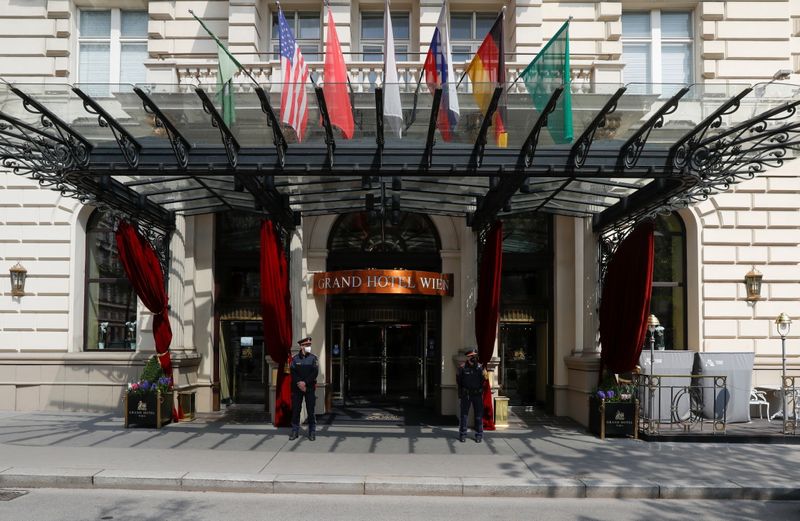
(439, 73)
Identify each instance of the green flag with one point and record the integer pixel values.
(548, 71)
(228, 66)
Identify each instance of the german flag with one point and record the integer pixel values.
(488, 69)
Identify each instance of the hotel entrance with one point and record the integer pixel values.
(384, 350)
(383, 361)
(384, 328)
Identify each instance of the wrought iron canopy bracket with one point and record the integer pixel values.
(427, 155)
(269, 199)
(379, 139)
(272, 121)
(25, 147)
(330, 142)
(631, 151)
(110, 194)
(500, 195)
(480, 143)
(79, 147)
(580, 150)
(681, 154)
(180, 145)
(127, 144)
(532, 141)
(228, 140)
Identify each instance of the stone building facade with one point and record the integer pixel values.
(44, 363)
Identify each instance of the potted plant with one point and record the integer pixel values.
(614, 410)
(149, 401)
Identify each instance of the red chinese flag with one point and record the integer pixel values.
(335, 87)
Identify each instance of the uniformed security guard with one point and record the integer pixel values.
(470, 378)
(304, 369)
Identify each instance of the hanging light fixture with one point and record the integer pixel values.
(18, 276)
(752, 282)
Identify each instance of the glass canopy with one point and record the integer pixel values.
(155, 150)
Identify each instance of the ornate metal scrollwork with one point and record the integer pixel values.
(180, 145)
(272, 121)
(229, 142)
(128, 145)
(529, 147)
(681, 154)
(70, 144)
(580, 150)
(631, 151)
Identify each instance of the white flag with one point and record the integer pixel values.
(392, 110)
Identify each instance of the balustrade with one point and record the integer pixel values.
(366, 75)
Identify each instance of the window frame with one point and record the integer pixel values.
(378, 43)
(657, 42)
(95, 218)
(114, 39)
(475, 40)
(275, 42)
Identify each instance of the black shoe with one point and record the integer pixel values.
(293, 436)
(462, 438)
(312, 436)
(478, 439)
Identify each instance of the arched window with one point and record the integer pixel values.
(668, 301)
(365, 240)
(110, 302)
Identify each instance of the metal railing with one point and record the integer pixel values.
(775, 392)
(668, 403)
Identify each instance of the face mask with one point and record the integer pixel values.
(307, 349)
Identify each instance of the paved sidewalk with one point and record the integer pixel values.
(55, 449)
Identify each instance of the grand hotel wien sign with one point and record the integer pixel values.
(383, 282)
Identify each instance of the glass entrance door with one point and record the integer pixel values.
(243, 370)
(383, 362)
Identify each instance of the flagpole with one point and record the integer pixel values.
(224, 48)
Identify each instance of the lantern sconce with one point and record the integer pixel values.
(752, 282)
(18, 275)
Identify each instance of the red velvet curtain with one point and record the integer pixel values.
(625, 302)
(487, 310)
(276, 313)
(143, 270)
(140, 262)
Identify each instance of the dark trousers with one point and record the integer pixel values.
(297, 404)
(476, 400)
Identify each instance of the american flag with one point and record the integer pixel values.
(294, 101)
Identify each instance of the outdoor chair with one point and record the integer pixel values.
(760, 398)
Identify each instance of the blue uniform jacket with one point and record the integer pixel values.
(305, 369)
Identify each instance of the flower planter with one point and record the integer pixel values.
(618, 419)
(148, 409)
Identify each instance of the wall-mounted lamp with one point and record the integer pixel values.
(18, 275)
(752, 281)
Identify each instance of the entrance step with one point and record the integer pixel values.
(389, 415)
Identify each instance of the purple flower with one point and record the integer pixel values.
(601, 395)
(610, 395)
(145, 385)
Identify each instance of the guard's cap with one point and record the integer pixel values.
(471, 352)
(305, 340)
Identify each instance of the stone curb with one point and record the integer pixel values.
(393, 485)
